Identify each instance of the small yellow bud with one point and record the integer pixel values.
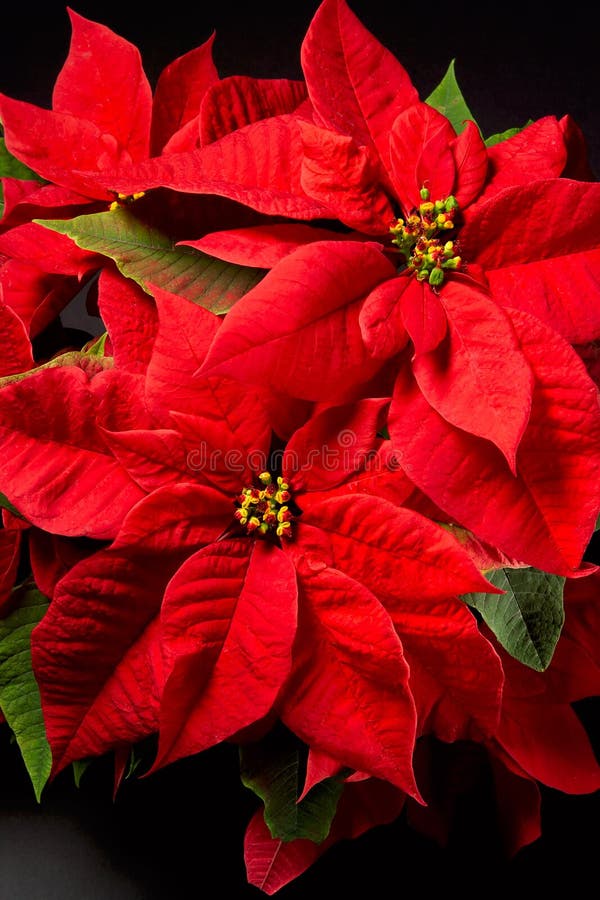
(265, 477)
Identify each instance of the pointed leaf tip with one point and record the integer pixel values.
(528, 618)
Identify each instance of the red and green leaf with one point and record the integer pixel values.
(149, 257)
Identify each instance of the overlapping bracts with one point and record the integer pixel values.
(279, 519)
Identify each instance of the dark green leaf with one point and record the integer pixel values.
(150, 258)
(19, 693)
(13, 168)
(447, 98)
(273, 768)
(528, 618)
(80, 767)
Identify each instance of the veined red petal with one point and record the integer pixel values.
(539, 220)
(228, 443)
(10, 551)
(58, 146)
(344, 177)
(102, 82)
(563, 292)
(15, 347)
(179, 92)
(381, 324)
(348, 692)
(298, 328)
(423, 316)
(549, 741)
(471, 164)
(176, 518)
(230, 644)
(258, 165)
(49, 251)
(184, 333)
(96, 654)
(262, 246)
(55, 465)
(455, 674)
(27, 200)
(52, 557)
(395, 552)
(130, 318)
(578, 165)
(239, 100)
(333, 445)
(356, 86)
(421, 142)
(536, 152)
(479, 378)
(543, 516)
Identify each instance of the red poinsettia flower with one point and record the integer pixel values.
(452, 316)
(233, 580)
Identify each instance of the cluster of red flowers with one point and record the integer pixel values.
(324, 486)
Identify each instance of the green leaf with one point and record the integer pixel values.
(19, 693)
(97, 348)
(10, 167)
(80, 766)
(505, 135)
(273, 768)
(528, 619)
(150, 258)
(447, 98)
(6, 504)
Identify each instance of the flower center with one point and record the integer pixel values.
(125, 199)
(263, 511)
(422, 239)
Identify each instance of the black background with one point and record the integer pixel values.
(179, 833)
